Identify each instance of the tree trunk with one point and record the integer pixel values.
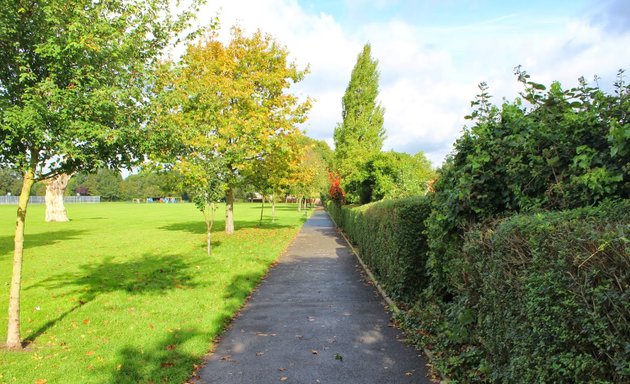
(273, 209)
(229, 211)
(208, 235)
(299, 201)
(14, 340)
(262, 208)
(208, 215)
(55, 189)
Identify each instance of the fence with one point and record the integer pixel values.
(13, 200)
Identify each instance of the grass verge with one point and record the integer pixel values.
(125, 293)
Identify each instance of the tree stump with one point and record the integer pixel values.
(55, 189)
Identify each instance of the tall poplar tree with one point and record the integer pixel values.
(360, 135)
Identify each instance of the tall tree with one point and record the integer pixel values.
(273, 171)
(310, 178)
(75, 81)
(360, 134)
(236, 95)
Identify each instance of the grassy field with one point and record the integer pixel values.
(125, 293)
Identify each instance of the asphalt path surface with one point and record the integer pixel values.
(314, 319)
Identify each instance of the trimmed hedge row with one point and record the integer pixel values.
(552, 296)
(540, 297)
(389, 236)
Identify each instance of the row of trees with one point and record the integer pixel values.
(106, 183)
(310, 180)
(366, 172)
(84, 86)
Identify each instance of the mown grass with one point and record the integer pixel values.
(125, 293)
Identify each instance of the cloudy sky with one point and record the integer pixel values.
(433, 53)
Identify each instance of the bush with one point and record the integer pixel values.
(553, 149)
(545, 298)
(394, 175)
(389, 236)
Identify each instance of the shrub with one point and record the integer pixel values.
(394, 175)
(389, 236)
(553, 149)
(545, 298)
(335, 191)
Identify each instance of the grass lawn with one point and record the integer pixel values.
(125, 293)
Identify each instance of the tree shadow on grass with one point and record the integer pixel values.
(163, 362)
(241, 286)
(150, 274)
(199, 227)
(39, 239)
(194, 227)
(293, 208)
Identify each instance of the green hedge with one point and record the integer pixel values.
(540, 298)
(544, 298)
(389, 236)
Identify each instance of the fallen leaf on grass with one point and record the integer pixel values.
(90, 353)
(171, 347)
(167, 364)
(86, 321)
(41, 381)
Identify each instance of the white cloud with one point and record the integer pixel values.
(428, 74)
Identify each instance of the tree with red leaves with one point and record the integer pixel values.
(336, 192)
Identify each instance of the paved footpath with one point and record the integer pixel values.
(314, 319)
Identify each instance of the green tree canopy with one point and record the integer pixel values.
(360, 134)
(230, 101)
(550, 149)
(393, 175)
(75, 82)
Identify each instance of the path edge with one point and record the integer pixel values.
(194, 378)
(392, 305)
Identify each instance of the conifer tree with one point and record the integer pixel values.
(360, 135)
